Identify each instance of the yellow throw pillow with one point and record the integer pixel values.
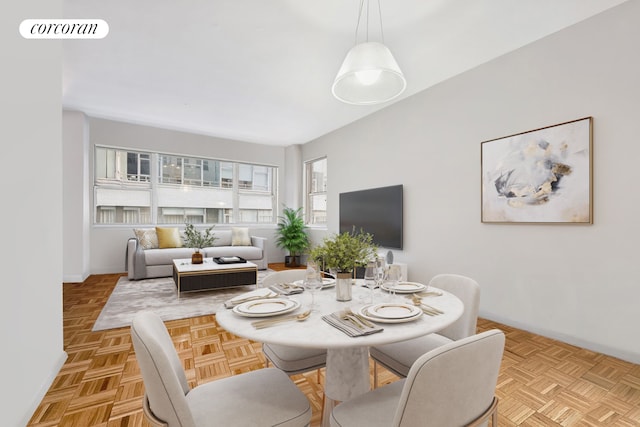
(240, 236)
(168, 237)
(147, 237)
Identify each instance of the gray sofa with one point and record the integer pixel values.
(148, 263)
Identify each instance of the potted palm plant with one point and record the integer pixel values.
(342, 254)
(198, 239)
(292, 235)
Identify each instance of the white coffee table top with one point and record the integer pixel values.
(184, 265)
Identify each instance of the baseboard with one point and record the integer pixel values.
(568, 339)
(74, 278)
(37, 398)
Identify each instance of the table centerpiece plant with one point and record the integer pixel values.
(341, 254)
(197, 240)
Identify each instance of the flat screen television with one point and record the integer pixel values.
(377, 211)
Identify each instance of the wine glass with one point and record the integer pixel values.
(394, 276)
(370, 278)
(381, 269)
(312, 282)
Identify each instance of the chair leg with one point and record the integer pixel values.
(494, 416)
(375, 374)
(490, 412)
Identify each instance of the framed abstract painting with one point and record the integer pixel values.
(539, 176)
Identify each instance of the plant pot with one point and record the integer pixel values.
(196, 258)
(343, 286)
(292, 261)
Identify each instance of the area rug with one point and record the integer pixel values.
(160, 296)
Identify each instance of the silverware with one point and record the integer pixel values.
(417, 301)
(362, 319)
(355, 321)
(240, 301)
(258, 324)
(345, 315)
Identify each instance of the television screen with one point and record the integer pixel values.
(377, 211)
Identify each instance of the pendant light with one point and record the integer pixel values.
(369, 74)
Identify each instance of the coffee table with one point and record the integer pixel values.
(210, 275)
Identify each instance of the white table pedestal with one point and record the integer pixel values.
(346, 376)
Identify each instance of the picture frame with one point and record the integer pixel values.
(542, 176)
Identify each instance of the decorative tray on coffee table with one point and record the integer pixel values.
(229, 260)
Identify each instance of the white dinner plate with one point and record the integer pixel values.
(404, 287)
(393, 310)
(381, 315)
(266, 307)
(327, 282)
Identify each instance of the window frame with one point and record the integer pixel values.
(311, 192)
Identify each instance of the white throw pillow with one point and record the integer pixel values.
(147, 237)
(240, 236)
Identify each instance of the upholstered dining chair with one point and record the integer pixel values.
(257, 398)
(292, 360)
(453, 385)
(398, 357)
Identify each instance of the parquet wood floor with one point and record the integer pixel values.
(543, 382)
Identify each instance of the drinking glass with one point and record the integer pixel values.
(394, 276)
(312, 282)
(381, 271)
(370, 278)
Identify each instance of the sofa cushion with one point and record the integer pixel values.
(240, 236)
(223, 238)
(168, 237)
(147, 237)
(247, 252)
(166, 256)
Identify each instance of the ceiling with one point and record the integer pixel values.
(261, 70)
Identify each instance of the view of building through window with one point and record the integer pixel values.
(145, 188)
(316, 191)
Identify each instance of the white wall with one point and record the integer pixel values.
(293, 177)
(31, 214)
(108, 242)
(580, 284)
(76, 219)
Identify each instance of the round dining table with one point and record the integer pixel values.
(347, 368)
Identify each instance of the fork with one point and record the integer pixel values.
(364, 321)
(418, 301)
(346, 315)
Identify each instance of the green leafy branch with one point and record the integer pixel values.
(198, 239)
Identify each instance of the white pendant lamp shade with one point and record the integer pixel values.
(369, 75)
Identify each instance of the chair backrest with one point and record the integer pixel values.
(452, 385)
(284, 276)
(468, 291)
(162, 373)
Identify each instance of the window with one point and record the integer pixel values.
(122, 186)
(252, 177)
(145, 188)
(316, 190)
(118, 165)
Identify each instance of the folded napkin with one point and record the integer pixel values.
(286, 288)
(349, 327)
(248, 296)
